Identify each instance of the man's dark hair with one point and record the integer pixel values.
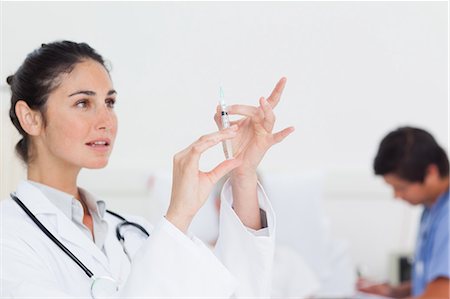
(407, 152)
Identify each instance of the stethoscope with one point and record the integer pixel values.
(102, 286)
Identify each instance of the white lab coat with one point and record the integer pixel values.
(167, 264)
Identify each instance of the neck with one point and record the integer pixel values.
(441, 187)
(62, 178)
(444, 185)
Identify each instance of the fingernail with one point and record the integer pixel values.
(234, 127)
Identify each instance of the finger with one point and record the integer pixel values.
(207, 141)
(275, 96)
(278, 137)
(235, 122)
(222, 169)
(210, 139)
(269, 117)
(244, 110)
(217, 117)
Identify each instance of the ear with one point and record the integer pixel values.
(432, 173)
(30, 120)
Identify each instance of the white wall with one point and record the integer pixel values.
(355, 71)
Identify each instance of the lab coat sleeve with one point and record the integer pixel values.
(172, 264)
(246, 253)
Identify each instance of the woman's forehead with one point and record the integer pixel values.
(86, 75)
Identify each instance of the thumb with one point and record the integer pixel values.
(222, 169)
(278, 137)
(217, 118)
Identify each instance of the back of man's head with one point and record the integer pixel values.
(407, 152)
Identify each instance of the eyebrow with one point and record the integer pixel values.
(91, 93)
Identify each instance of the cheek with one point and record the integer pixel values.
(415, 195)
(114, 127)
(115, 124)
(67, 133)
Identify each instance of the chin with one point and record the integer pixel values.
(97, 164)
(413, 202)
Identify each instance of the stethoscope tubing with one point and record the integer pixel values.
(52, 237)
(88, 272)
(125, 222)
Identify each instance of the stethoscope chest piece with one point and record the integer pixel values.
(104, 287)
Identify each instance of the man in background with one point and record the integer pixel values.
(417, 168)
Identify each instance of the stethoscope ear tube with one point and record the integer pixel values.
(119, 235)
(49, 234)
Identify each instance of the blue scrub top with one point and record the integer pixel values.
(432, 251)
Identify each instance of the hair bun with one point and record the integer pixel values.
(9, 79)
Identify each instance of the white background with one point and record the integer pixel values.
(355, 70)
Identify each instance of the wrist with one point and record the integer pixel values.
(179, 220)
(398, 292)
(243, 179)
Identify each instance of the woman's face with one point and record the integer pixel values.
(81, 124)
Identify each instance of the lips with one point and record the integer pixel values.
(99, 143)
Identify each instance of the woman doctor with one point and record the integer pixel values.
(62, 104)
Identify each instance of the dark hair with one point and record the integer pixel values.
(39, 75)
(407, 152)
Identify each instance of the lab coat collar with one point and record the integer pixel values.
(94, 204)
(38, 204)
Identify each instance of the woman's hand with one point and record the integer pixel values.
(190, 186)
(254, 136)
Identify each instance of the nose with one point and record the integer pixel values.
(105, 119)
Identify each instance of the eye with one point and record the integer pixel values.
(81, 103)
(110, 103)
